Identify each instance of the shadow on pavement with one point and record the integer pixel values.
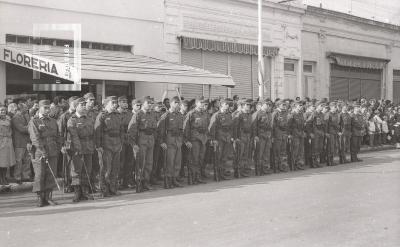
(129, 197)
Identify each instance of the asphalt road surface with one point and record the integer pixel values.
(348, 205)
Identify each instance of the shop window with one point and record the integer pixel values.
(307, 68)
(289, 66)
(11, 38)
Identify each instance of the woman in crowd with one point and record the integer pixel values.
(6, 146)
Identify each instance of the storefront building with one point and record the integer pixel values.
(221, 36)
(349, 57)
(122, 49)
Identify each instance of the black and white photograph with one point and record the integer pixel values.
(200, 123)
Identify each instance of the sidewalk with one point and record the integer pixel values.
(27, 186)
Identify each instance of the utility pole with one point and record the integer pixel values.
(260, 54)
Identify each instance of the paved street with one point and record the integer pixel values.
(348, 205)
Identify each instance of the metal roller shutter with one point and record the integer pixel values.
(339, 88)
(216, 62)
(192, 58)
(240, 66)
(371, 89)
(354, 89)
(396, 86)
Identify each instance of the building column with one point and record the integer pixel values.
(3, 81)
(387, 82)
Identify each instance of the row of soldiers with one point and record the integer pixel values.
(141, 144)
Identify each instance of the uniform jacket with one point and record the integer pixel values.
(296, 124)
(195, 126)
(357, 125)
(108, 131)
(333, 123)
(221, 126)
(43, 132)
(170, 127)
(126, 117)
(62, 124)
(81, 134)
(345, 124)
(317, 124)
(279, 123)
(242, 125)
(142, 124)
(262, 124)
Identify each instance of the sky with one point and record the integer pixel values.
(380, 10)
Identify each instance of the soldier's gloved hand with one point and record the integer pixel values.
(136, 148)
(340, 133)
(164, 146)
(256, 139)
(188, 145)
(44, 155)
(100, 149)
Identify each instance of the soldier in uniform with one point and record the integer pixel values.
(109, 134)
(141, 130)
(81, 136)
(243, 136)
(280, 136)
(170, 131)
(296, 126)
(324, 150)
(357, 126)
(44, 135)
(184, 108)
(333, 128)
(344, 133)
(195, 137)
(316, 128)
(262, 129)
(221, 131)
(66, 155)
(126, 152)
(308, 142)
(157, 153)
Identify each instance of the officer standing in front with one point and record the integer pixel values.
(43, 132)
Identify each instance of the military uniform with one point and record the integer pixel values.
(81, 136)
(317, 128)
(43, 132)
(221, 129)
(109, 135)
(195, 131)
(308, 141)
(345, 129)
(333, 129)
(157, 153)
(243, 133)
(357, 128)
(262, 128)
(170, 129)
(296, 125)
(126, 152)
(280, 137)
(141, 130)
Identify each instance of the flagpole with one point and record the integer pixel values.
(260, 54)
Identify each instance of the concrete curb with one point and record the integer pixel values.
(27, 186)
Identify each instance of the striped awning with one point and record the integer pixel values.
(122, 66)
(357, 61)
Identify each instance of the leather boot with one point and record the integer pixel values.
(146, 186)
(176, 183)
(357, 159)
(353, 159)
(41, 201)
(341, 159)
(77, 193)
(198, 179)
(49, 198)
(84, 193)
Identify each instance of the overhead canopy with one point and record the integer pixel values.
(116, 65)
(358, 61)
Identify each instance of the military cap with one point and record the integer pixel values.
(185, 102)
(175, 99)
(136, 102)
(200, 99)
(122, 98)
(71, 99)
(88, 96)
(44, 102)
(280, 102)
(248, 101)
(148, 100)
(78, 101)
(158, 103)
(110, 98)
(226, 100)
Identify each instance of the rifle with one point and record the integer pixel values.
(188, 165)
(290, 156)
(216, 163)
(88, 177)
(165, 169)
(255, 155)
(236, 148)
(138, 171)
